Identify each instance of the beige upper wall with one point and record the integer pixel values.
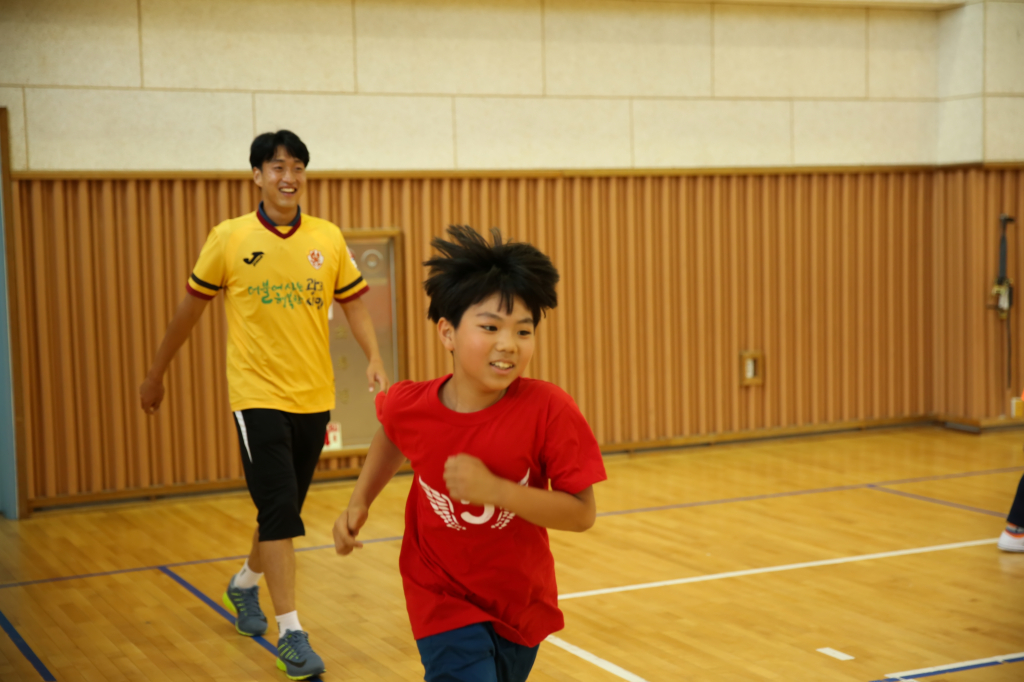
(902, 58)
(627, 49)
(70, 42)
(484, 47)
(961, 56)
(304, 45)
(510, 84)
(790, 52)
(1004, 48)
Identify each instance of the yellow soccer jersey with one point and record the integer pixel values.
(277, 289)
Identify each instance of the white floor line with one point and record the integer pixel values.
(952, 666)
(776, 569)
(591, 658)
(829, 651)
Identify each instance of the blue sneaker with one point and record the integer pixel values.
(296, 658)
(245, 605)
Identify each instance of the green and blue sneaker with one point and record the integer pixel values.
(296, 658)
(245, 605)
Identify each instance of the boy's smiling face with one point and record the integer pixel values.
(491, 346)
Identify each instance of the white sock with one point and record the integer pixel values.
(247, 577)
(288, 621)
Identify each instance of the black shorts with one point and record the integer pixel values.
(280, 451)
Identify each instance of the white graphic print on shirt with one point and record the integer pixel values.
(443, 507)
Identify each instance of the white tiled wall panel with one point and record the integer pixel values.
(903, 50)
(1004, 123)
(511, 84)
(365, 132)
(961, 50)
(1004, 48)
(303, 45)
(960, 130)
(789, 52)
(498, 133)
(627, 48)
(69, 42)
(693, 134)
(449, 47)
(138, 130)
(864, 133)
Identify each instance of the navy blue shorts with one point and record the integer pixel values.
(475, 653)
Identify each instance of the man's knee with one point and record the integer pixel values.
(279, 518)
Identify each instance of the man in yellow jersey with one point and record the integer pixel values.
(277, 269)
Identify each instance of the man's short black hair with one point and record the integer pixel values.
(265, 145)
(470, 270)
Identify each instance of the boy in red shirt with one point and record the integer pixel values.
(484, 444)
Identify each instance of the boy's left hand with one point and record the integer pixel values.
(469, 480)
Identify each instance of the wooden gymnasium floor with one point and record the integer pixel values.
(879, 544)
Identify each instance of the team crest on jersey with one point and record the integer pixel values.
(444, 508)
(316, 259)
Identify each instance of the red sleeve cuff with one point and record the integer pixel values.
(197, 294)
(354, 296)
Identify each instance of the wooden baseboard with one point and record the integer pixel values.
(177, 490)
(344, 452)
(967, 424)
(150, 493)
(1002, 423)
(980, 425)
(760, 434)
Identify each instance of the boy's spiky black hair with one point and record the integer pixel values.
(468, 270)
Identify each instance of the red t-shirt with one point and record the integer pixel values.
(463, 564)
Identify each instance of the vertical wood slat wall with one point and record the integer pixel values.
(865, 291)
(969, 340)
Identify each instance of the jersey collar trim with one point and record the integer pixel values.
(269, 224)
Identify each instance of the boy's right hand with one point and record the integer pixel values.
(346, 528)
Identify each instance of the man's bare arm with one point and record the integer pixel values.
(362, 328)
(151, 393)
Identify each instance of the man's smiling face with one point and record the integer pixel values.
(282, 182)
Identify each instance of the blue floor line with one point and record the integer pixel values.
(222, 611)
(940, 477)
(76, 577)
(947, 671)
(935, 500)
(25, 649)
(732, 500)
(215, 606)
(683, 505)
(392, 538)
(194, 562)
(175, 565)
(816, 491)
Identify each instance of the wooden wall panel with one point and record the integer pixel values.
(865, 291)
(969, 344)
